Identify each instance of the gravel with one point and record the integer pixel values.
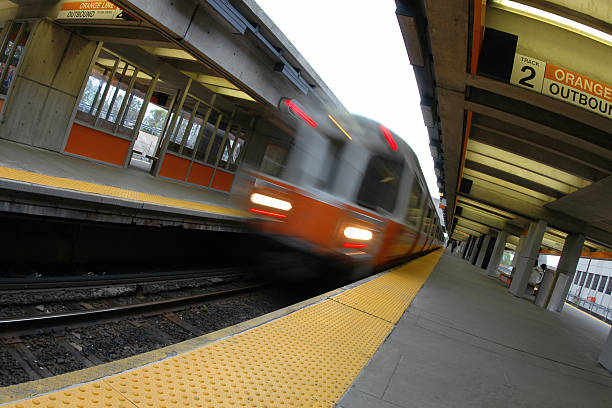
(51, 355)
(10, 371)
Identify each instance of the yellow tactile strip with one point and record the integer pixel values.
(305, 359)
(93, 188)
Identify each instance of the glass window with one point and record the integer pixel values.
(114, 95)
(380, 184)
(233, 148)
(589, 280)
(13, 47)
(577, 278)
(583, 278)
(602, 284)
(595, 281)
(609, 288)
(274, 159)
(414, 213)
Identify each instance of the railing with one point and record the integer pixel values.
(595, 309)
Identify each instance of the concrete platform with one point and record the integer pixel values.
(40, 182)
(306, 355)
(466, 342)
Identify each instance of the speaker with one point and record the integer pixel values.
(497, 54)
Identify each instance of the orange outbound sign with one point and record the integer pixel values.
(95, 10)
(578, 90)
(562, 84)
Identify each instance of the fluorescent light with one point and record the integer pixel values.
(357, 233)
(553, 19)
(270, 202)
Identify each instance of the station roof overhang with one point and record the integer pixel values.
(504, 154)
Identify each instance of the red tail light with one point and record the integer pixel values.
(270, 213)
(353, 245)
(389, 137)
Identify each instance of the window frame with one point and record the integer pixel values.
(4, 43)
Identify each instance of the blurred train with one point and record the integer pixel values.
(340, 189)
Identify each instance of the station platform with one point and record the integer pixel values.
(71, 187)
(408, 337)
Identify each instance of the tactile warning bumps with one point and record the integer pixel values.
(305, 359)
(93, 395)
(388, 296)
(87, 187)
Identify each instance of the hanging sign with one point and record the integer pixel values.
(562, 84)
(92, 10)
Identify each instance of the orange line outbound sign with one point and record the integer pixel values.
(94, 10)
(562, 84)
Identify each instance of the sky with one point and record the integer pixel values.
(356, 47)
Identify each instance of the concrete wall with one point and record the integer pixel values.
(46, 87)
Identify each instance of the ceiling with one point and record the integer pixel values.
(505, 155)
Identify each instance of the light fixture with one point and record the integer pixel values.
(553, 19)
(293, 107)
(389, 137)
(357, 233)
(340, 127)
(268, 201)
(270, 213)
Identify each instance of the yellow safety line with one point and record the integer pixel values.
(87, 187)
(590, 315)
(305, 359)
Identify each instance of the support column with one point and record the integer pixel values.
(474, 252)
(483, 251)
(468, 245)
(527, 258)
(498, 252)
(572, 248)
(605, 358)
(517, 251)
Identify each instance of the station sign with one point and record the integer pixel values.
(92, 10)
(562, 84)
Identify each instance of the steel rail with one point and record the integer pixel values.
(110, 280)
(36, 324)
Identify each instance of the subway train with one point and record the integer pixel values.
(337, 190)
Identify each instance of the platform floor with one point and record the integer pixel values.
(21, 163)
(466, 342)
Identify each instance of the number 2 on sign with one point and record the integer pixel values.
(528, 72)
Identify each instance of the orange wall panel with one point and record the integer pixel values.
(174, 167)
(200, 174)
(222, 180)
(88, 142)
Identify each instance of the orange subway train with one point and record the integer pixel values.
(336, 189)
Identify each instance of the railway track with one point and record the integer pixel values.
(87, 281)
(36, 324)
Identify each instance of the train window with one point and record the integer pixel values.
(380, 184)
(414, 212)
(595, 282)
(602, 284)
(584, 275)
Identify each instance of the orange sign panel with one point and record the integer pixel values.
(94, 10)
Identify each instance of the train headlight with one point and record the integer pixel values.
(357, 233)
(268, 201)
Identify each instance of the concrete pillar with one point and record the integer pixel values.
(518, 249)
(572, 248)
(527, 258)
(483, 251)
(474, 251)
(496, 256)
(468, 245)
(605, 358)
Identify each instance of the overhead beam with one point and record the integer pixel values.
(514, 179)
(532, 212)
(552, 133)
(543, 149)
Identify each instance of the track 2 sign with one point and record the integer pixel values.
(528, 72)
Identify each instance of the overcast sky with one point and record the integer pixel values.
(356, 47)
